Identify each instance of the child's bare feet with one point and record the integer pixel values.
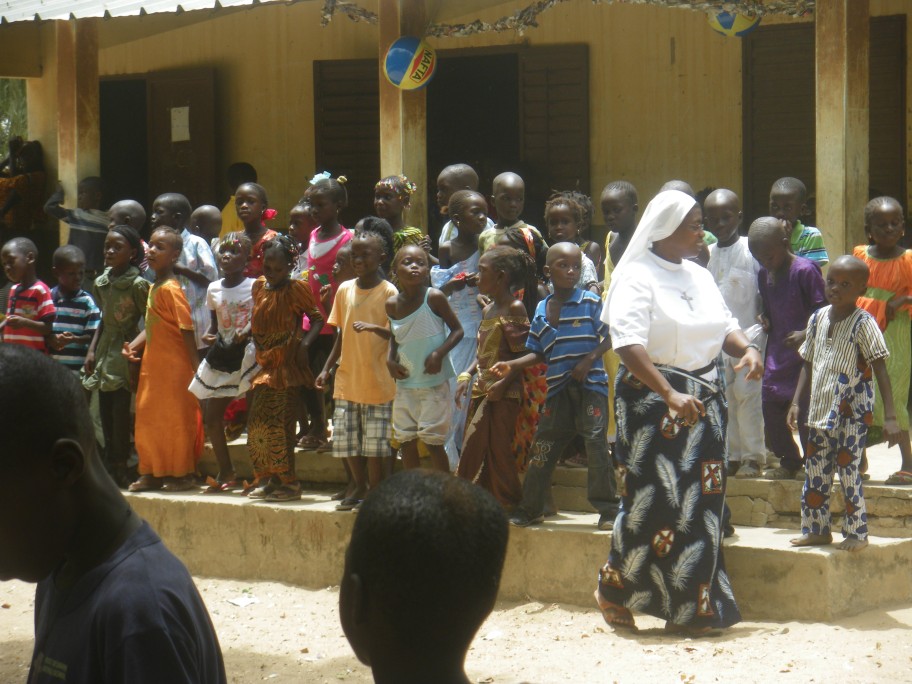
(812, 540)
(852, 544)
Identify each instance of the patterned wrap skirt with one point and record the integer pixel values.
(666, 549)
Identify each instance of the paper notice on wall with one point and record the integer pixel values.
(180, 124)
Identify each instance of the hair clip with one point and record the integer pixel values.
(323, 175)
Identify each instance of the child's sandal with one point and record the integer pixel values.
(285, 492)
(146, 483)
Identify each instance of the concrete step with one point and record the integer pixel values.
(304, 542)
(755, 502)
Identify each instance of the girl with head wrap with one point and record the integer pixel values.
(668, 324)
(121, 293)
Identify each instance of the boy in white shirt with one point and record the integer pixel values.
(735, 272)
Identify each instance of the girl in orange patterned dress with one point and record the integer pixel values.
(487, 454)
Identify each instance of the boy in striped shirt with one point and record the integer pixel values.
(77, 315)
(30, 309)
(568, 334)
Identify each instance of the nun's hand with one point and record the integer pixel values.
(686, 408)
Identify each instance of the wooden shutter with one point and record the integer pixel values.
(554, 121)
(347, 129)
(888, 107)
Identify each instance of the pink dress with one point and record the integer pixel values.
(321, 255)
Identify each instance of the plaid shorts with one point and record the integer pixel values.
(361, 429)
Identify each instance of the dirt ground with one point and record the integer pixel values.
(289, 634)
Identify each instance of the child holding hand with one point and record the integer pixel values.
(230, 364)
(168, 433)
(887, 299)
(487, 455)
(843, 346)
(279, 306)
(419, 360)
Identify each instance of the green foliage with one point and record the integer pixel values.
(13, 111)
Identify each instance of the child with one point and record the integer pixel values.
(843, 346)
(30, 310)
(791, 289)
(86, 548)
(419, 532)
(121, 293)
(887, 299)
(131, 213)
(569, 336)
(206, 222)
(735, 272)
(301, 224)
(239, 173)
(454, 178)
(168, 432)
(327, 198)
(589, 247)
(250, 202)
(279, 307)
(419, 361)
(509, 198)
(487, 455)
(392, 196)
(456, 276)
(77, 316)
(788, 202)
(195, 268)
(230, 364)
(88, 223)
(564, 217)
(363, 389)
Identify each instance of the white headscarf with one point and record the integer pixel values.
(662, 217)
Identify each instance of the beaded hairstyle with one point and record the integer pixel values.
(284, 244)
(238, 241)
(400, 185)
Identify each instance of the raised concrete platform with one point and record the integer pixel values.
(304, 543)
(758, 503)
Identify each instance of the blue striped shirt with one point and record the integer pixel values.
(579, 331)
(78, 315)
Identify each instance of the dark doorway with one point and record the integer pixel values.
(473, 118)
(124, 151)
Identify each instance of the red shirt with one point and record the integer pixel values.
(36, 303)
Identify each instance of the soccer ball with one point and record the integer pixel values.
(410, 63)
(731, 24)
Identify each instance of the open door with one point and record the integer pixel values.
(181, 141)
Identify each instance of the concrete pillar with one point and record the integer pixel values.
(403, 114)
(842, 36)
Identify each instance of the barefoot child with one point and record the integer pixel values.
(456, 276)
(735, 272)
(563, 218)
(509, 198)
(121, 293)
(230, 365)
(30, 309)
(363, 389)
(279, 306)
(843, 346)
(487, 457)
(168, 433)
(419, 361)
(791, 289)
(887, 299)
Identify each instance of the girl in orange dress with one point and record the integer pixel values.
(168, 432)
(279, 305)
(888, 299)
(487, 454)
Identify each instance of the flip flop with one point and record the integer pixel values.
(348, 504)
(178, 484)
(286, 492)
(900, 477)
(146, 483)
(325, 448)
(216, 487)
(311, 443)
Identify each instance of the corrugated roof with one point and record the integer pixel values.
(49, 10)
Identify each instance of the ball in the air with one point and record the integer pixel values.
(733, 25)
(410, 63)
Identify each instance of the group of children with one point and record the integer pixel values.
(479, 357)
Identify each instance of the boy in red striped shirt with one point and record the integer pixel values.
(30, 312)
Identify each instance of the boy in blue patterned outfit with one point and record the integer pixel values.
(843, 346)
(77, 315)
(567, 333)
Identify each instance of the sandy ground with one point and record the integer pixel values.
(293, 635)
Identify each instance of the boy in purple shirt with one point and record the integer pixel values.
(794, 284)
